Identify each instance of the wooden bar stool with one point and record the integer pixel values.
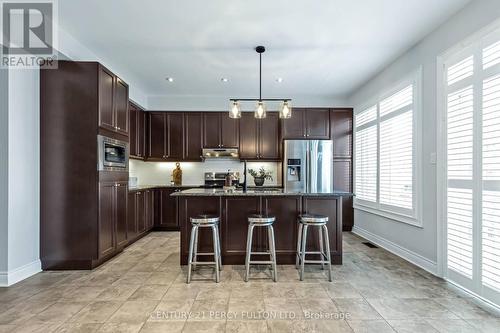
(204, 221)
(258, 220)
(313, 220)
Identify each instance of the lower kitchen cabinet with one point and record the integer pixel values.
(140, 214)
(165, 209)
(112, 221)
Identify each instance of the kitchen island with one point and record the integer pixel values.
(234, 208)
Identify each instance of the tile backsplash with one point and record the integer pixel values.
(160, 173)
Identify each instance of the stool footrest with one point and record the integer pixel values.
(260, 253)
(261, 262)
(315, 261)
(203, 263)
(204, 254)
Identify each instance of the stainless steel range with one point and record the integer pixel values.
(217, 179)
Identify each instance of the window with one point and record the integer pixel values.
(471, 166)
(386, 154)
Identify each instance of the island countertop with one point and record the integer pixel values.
(201, 192)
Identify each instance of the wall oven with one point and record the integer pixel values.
(112, 154)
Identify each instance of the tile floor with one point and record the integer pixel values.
(144, 290)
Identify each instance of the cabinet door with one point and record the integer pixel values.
(140, 211)
(157, 139)
(248, 137)
(141, 133)
(294, 128)
(175, 135)
(106, 218)
(193, 139)
(148, 209)
(121, 194)
(133, 133)
(106, 94)
(131, 217)
(229, 135)
(269, 137)
(211, 130)
(168, 219)
(341, 130)
(121, 107)
(318, 124)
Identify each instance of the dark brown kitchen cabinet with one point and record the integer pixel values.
(165, 217)
(260, 138)
(132, 217)
(112, 217)
(341, 121)
(137, 131)
(140, 211)
(193, 138)
(113, 102)
(220, 131)
(310, 123)
(166, 132)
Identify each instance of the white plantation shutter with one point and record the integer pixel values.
(396, 150)
(473, 168)
(366, 155)
(385, 155)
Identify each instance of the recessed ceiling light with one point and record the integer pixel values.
(170, 79)
(279, 79)
(224, 79)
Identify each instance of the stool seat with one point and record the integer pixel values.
(205, 219)
(260, 218)
(313, 219)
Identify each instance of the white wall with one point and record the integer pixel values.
(221, 103)
(160, 173)
(4, 173)
(420, 244)
(24, 180)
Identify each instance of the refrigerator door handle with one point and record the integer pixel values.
(308, 169)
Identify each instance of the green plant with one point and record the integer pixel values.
(262, 173)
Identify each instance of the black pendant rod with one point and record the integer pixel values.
(260, 76)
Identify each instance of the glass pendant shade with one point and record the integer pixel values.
(260, 110)
(235, 110)
(285, 110)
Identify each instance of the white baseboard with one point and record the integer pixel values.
(415, 258)
(14, 276)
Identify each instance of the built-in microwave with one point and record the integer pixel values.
(112, 154)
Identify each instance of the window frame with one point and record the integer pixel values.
(395, 213)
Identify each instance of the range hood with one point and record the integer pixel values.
(221, 154)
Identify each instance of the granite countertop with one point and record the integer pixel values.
(201, 192)
(149, 187)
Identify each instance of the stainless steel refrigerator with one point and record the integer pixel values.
(308, 166)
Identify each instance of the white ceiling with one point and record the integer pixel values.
(319, 48)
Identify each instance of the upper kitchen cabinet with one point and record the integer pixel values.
(260, 138)
(113, 102)
(341, 128)
(137, 131)
(308, 124)
(193, 138)
(166, 132)
(220, 131)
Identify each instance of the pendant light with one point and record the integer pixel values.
(285, 110)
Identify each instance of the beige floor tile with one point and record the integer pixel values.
(119, 292)
(7, 328)
(77, 328)
(162, 278)
(452, 326)
(370, 326)
(485, 325)
(329, 326)
(356, 308)
(464, 308)
(284, 326)
(412, 326)
(205, 327)
(283, 290)
(133, 312)
(96, 312)
(183, 291)
(392, 308)
(36, 328)
(120, 328)
(163, 327)
(310, 290)
(249, 326)
(318, 308)
(341, 290)
(246, 309)
(60, 312)
(176, 309)
(131, 278)
(209, 309)
(283, 309)
(149, 292)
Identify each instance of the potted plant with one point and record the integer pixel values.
(260, 176)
